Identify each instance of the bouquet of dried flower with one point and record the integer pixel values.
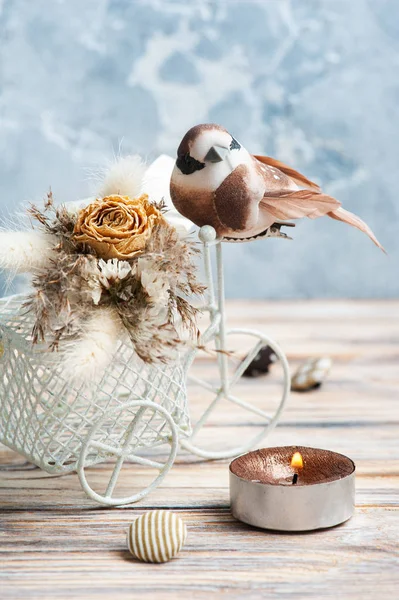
(113, 268)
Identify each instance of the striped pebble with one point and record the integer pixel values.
(157, 536)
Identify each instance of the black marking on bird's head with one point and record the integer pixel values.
(234, 144)
(188, 165)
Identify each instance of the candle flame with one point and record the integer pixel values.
(297, 461)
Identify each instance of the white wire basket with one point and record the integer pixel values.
(62, 427)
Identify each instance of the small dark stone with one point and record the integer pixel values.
(261, 363)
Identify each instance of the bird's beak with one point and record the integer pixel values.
(217, 154)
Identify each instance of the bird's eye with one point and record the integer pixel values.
(234, 145)
(188, 165)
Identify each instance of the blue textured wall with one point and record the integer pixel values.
(312, 82)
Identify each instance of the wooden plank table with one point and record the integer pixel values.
(55, 544)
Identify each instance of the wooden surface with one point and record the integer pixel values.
(55, 544)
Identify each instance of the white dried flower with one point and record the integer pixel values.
(112, 271)
(88, 281)
(155, 283)
(100, 275)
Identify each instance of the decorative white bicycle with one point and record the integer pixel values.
(62, 427)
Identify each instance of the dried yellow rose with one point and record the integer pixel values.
(117, 226)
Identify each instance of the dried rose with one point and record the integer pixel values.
(117, 226)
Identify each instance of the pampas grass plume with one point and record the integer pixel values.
(25, 251)
(86, 358)
(124, 177)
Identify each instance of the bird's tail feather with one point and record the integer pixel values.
(340, 214)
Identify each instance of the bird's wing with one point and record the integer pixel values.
(286, 204)
(233, 201)
(296, 177)
(307, 203)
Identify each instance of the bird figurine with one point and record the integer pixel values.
(216, 181)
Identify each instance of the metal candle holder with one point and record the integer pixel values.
(266, 491)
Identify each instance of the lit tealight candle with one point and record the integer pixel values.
(292, 488)
(297, 464)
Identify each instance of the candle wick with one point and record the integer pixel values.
(295, 478)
